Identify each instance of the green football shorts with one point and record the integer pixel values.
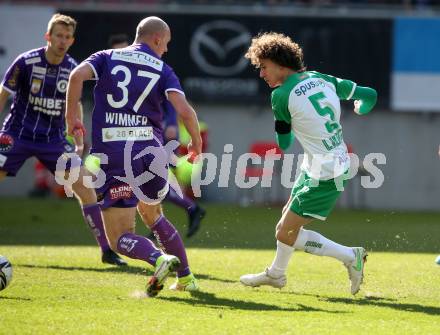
(313, 198)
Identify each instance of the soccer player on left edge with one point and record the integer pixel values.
(36, 125)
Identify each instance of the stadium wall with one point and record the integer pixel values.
(17, 38)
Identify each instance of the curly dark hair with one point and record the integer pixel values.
(278, 48)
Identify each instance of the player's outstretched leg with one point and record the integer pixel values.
(139, 247)
(169, 238)
(290, 236)
(353, 258)
(172, 243)
(275, 275)
(92, 215)
(120, 228)
(91, 211)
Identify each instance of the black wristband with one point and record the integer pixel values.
(282, 127)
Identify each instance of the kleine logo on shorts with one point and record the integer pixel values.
(6, 142)
(121, 192)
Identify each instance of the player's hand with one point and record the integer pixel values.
(194, 151)
(78, 133)
(75, 125)
(78, 138)
(78, 125)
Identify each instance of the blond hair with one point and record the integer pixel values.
(278, 48)
(61, 19)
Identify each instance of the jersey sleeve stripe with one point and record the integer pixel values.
(93, 69)
(7, 89)
(175, 90)
(352, 91)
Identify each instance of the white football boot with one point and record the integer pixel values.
(263, 278)
(355, 269)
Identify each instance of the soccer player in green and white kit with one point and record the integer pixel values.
(306, 106)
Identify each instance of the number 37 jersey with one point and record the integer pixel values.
(310, 101)
(131, 85)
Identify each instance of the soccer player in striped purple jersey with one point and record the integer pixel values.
(131, 85)
(36, 125)
(38, 80)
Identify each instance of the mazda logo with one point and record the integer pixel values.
(217, 47)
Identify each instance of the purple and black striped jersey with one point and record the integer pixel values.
(38, 108)
(132, 83)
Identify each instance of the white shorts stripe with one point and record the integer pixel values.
(316, 216)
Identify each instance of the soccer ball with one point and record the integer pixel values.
(437, 260)
(5, 272)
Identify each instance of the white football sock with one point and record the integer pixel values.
(316, 244)
(281, 260)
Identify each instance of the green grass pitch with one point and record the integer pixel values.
(61, 287)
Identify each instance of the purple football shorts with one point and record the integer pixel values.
(151, 187)
(14, 152)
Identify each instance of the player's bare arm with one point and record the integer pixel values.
(74, 114)
(189, 118)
